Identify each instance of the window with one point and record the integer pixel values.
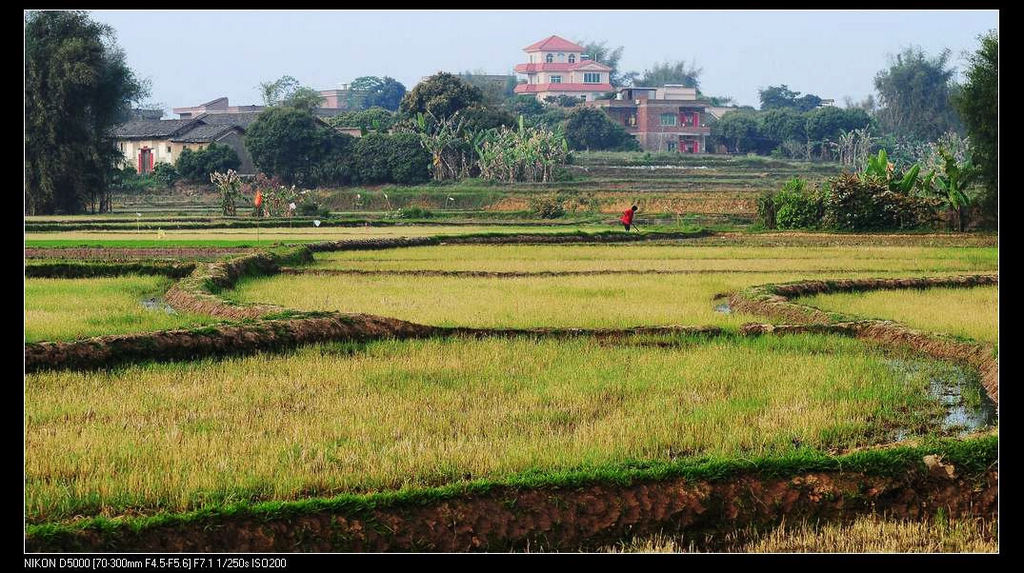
(549, 58)
(168, 149)
(591, 78)
(556, 79)
(671, 145)
(668, 119)
(572, 58)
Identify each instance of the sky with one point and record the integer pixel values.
(190, 57)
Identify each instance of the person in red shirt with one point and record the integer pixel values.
(627, 217)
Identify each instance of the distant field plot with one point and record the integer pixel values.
(412, 413)
(683, 256)
(267, 236)
(608, 300)
(970, 312)
(66, 309)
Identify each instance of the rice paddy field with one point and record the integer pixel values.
(175, 441)
(685, 294)
(971, 313)
(396, 414)
(68, 309)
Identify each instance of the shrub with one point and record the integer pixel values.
(397, 158)
(196, 166)
(797, 207)
(166, 174)
(547, 207)
(855, 204)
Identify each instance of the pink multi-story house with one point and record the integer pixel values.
(559, 67)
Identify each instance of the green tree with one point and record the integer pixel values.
(440, 95)
(196, 166)
(494, 92)
(286, 91)
(671, 73)
(293, 145)
(783, 124)
(372, 119)
(600, 52)
(397, 158)
(978, 104)
(781, 97)
(372, 91)
(738, 130)
(276, 91)
(589, 128)
(77, 87)
(827, 123)
(914, 95)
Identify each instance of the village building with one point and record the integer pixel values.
(559, 67)
(145, 143)
(335, 102)
(669, 118)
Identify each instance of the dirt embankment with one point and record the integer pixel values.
(222, 340)
(566, 518)
(104, 253)
(774, 301)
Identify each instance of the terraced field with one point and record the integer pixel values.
(373, 433)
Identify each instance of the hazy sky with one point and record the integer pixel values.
(195, 56)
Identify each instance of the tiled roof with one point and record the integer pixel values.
(240, 119)
(203, 133)
(553, 44)
(536, 88)
(151, 128)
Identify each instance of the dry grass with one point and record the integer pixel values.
(66, 309)
(393, 414)
(868, 534)
(969, 312)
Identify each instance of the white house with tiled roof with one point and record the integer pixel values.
(559, 67)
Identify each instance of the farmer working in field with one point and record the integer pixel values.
(627, 217)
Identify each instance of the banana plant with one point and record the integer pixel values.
(951, 185)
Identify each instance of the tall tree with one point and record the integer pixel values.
(671, 73)
(77, 87)
(590, 128)
(441, 95)
(914, 95)
(781, 97)
(287, 91)
(600, 52)
(294, 145)
(372, 91)
(978, 104)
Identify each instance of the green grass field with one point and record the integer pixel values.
(67, 309)
(391, 414)
(968, 312)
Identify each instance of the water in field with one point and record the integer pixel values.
(157, 305)
(967, 407)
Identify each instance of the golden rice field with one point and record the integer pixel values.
(683, 256)
(67, 309)
(866, 534)
(597, 301)
(968, 312)
(389, 414)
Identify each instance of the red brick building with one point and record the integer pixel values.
(669, 118)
